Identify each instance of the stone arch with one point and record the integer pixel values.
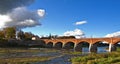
(115, 46)
(99, 46)
(101, 43)
(49, 45)
(80, 45)
(68, 45)
(58, 45)
(116, 42)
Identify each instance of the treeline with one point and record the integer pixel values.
(57, 37)
(10, 33)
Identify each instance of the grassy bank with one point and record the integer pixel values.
(25, 60)
(93, 58)
(17, 50)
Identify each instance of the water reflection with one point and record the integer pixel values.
(99, 49)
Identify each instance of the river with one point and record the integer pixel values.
(60, 57)
(64, 59)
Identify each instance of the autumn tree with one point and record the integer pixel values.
(10, 32)
(2, 35)
(28, 35)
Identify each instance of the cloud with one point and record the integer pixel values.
(77, 33)
(104, 42)
(7, 5)
(115, 34)
(15, 14)
(4, 19)
(80, 22)
(41, 12)
(21, 17)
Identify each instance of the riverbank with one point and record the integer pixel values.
(26, 55)
(24, 60)
(102, 58)
(36, 56)
(52, 56)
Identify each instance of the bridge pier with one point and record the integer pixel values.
(93, 48)
(63, 45)
(68, 45)
(112, 47)
(78, 47)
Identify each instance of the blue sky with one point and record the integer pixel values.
(102, 16)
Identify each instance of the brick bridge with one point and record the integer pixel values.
(77, 44)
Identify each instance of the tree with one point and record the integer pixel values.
(66, 37)
(10, 32)
(2, 35)
(21, 35)
(28, 35)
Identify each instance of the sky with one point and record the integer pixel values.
(102, 17)
(91, 18)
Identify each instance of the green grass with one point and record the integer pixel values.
(118, 48)
(17, 50)
(71, 52)
(93, 58)
(24, 60)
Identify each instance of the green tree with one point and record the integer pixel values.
(21, 34)
(10, 32)
(28, 35)
(2, 35)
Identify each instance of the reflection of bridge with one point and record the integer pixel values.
(76, 44)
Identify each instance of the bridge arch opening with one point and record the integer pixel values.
(82, 46)
(117, 46)
(100, 46)
(58, 45)
(68, 45)
(49, 45)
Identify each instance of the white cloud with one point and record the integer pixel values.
(41, 12)
(15, 14)
(80, 22)
(21, 17)
(3, 20)
(115, 34)
(104, 42)
(77, 33)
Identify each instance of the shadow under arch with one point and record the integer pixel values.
(100, 47)
(82, 47)
(58, 45)
(116, 46)
(117, 43)
(69, 45)
(49, 45)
